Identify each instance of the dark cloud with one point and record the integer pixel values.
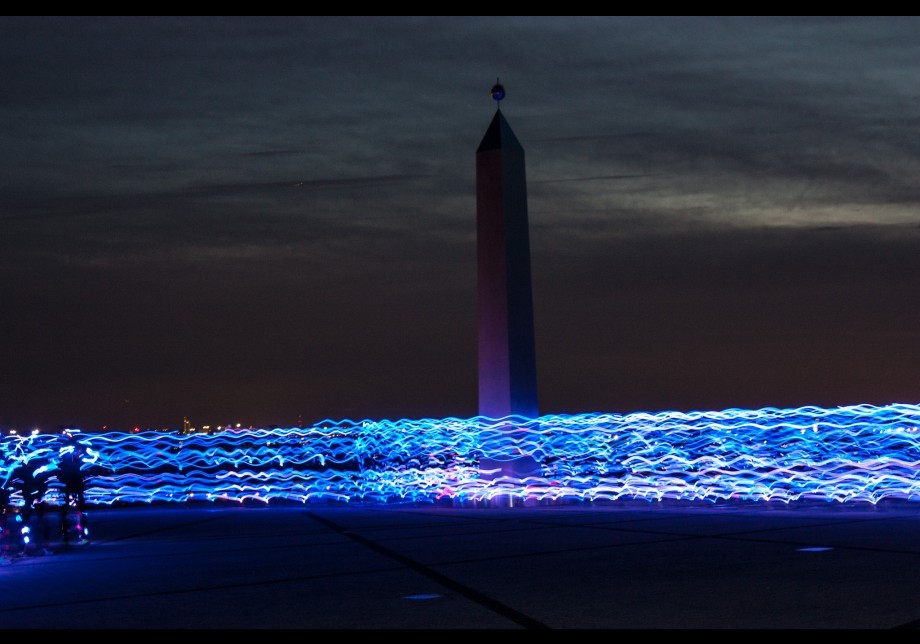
(272, 153)
(269, 216)
(612, 177)
(296, 184)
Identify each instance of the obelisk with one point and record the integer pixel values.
(507, 357)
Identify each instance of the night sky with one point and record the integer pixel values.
(258, 220)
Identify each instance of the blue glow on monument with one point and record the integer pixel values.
(860, 453)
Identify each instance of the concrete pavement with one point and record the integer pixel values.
(637, 565)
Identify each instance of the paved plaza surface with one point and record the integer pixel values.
(635, 565)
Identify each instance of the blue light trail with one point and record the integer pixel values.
(860, 453)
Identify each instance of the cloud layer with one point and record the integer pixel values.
(260, 218)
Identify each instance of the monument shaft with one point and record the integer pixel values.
(507, 356)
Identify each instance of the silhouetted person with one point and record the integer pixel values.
(31, 488)
(6, 521)
(70, 475)
(41, 476)
(31, 479)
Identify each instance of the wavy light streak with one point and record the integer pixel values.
(859, 453)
